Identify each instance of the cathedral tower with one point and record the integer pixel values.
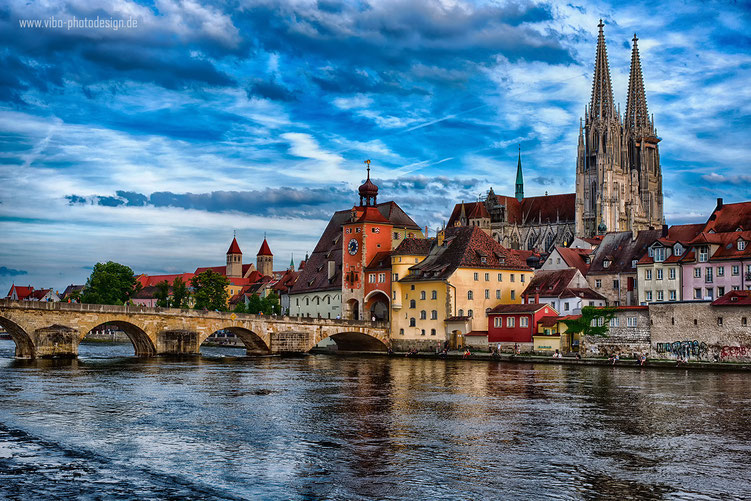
(618, 175)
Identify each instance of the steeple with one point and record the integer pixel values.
(601, 105)
(636, 100)
(519, 178)
(292, 262)
(234, 260)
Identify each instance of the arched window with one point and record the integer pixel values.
(422, 295)
(401, 332)
(470, 295)
(423, 315)
(461, 313)
(469, 313)
(434, 315)
(422, 333)
(307, 301)
(593, 196)
(432, 332)
(549, 241)
(412, 322)
(412, 303)
(434, 295)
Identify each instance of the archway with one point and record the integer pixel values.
(377, 306)
(142, 343)
(22, 340)
(357, 341)
(254, 344)
(353, 309)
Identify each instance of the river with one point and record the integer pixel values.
(222, 426)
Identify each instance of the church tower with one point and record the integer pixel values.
(519, 178)
(234, 260)
(265, 259)
(618, 175)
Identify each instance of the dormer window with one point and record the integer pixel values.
(703, 254)
(741, 244)
(678, 250)
(484, 260)
(606, 263)
(659, 254)
(633, 263)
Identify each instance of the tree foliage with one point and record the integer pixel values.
(268, 305)
(162, 294)
(210, 291)
(240, 308)
(180, 294)
(593, 321)
(110, 283)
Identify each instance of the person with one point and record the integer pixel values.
(517, 350)
(373, 318)
(498, 348)
(338, 317)
(557, 354)
(642, 359)
(496, 355)
(578, 356)
(615, 358)
(467, 353)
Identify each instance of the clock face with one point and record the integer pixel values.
(352, 246)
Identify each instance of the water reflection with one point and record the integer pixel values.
(225, 426)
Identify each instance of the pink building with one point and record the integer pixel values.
(715, 264)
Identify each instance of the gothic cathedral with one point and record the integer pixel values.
(618, 174)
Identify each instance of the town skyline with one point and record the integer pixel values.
(153, 162)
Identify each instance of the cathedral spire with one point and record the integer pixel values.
(636, 101)
(519, 178)
(601, 105)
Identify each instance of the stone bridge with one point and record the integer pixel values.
(46, 329)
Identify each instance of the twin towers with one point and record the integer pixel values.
(618, 174)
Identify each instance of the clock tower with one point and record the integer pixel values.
(365, 234)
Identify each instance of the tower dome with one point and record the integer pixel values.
(368, 190)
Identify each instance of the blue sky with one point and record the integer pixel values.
(151, 145)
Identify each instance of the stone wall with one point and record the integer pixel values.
(622, 338)
(699, 331)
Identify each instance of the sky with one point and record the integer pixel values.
(151, 144)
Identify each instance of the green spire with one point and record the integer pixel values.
(519, 178)
(292, 262)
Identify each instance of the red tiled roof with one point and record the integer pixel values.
(477, 333)
(549, 321)
(584, 293)
(575, 257)
(457, 318)
(234, 248)
(550, 283)
(479, 211)
(730, 217)
(734, 298)
(371, 214)
(21, 292)
(150, 280)
(380, 261)
(39, 293)
(546, 208)
(414, 247)
(264, 250)
(683, 232)
(727, 244)
(646, 259)
(518, 308)
(222, 270)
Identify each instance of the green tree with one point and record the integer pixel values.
(240, 308)
(593, 321)
(161, 294)
(210, 291)
(180, 294)
(271, 304)
(110, 283)
(255, 305)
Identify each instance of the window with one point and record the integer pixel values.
(461, 313)
(719, 321)
(500, 277)
(381, 278)
(422, 332)
(606, 263)
(470, 295)
(697, 293)
(524, 322)
(434, 315)
(565, 306)
(423, 315)
(483, 260)
(631, 321)
(616, 284)
(498, 294)
(741, 244)
(613, 322)
(510, 321)
(735, 270)
(634, 262)
(395, 277)
(412, 287)
(422, 295)
(513, 295)
(703, 254)
(708, 275)
(710, 293)
(487, 293)
(598, 283)
(521, 278)
(432, 332)
(736, 287)
(659, 254)
(470, 313)
(412, 304)
(648, 295)
(660, 296)
(697, 272)
(401, 332)
(648, 275)
(498, 322)
(412, 322)
(434, 295)
(512, 277)
(720, 271)
(659, 273)
(477, 276)
(487, 277)
(744, 321)
(672, 295)
(396, 236)
(720, 291)
(371, 278)
(671, 273)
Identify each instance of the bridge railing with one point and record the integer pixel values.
(140, 309)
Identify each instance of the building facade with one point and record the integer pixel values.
(618, 173)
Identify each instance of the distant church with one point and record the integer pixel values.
(618, 176)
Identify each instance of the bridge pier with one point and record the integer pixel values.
(56, 341)
(178, 342)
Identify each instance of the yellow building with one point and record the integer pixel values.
(551, 336)
(442, 288)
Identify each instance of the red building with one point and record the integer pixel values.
(516, 323)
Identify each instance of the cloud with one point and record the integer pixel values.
(10, 272)
(268, 89)
(715, 178)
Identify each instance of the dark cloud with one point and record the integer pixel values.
(544, 181)
(10, 272)
(268, 89)
(132, 199)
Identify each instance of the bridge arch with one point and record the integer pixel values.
(254, 344)
(357, 341)
(142, 343)
(24, 345)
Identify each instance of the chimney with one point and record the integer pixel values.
(664, 230)
(426, 231)
(719, 204)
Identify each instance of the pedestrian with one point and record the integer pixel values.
(498, 348)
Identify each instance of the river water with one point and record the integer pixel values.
(110, 426)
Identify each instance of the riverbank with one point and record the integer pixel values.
(538, 359)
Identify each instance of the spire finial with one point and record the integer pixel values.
(264, 235)
(634, 39)
(601, 24)
(367, 162)
(234, 234)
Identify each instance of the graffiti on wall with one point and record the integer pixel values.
(684, 348)
(735, 352)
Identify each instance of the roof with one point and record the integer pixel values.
(287, 280)
(21, 292)
(477, 333)
(726, 245)
(546, 208)
(734, 298)
(371, 214)
(620, 249)
(72, 288)
(381, 260)
(550, 283)
(575, 257)
(234, 248)
(457, 318)
(463, 247)
(683, 232)
(414, 247)
(519, 308)
(729, 217)
(582, 292)
(149, 280)
(264, 250)
(39, 293)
